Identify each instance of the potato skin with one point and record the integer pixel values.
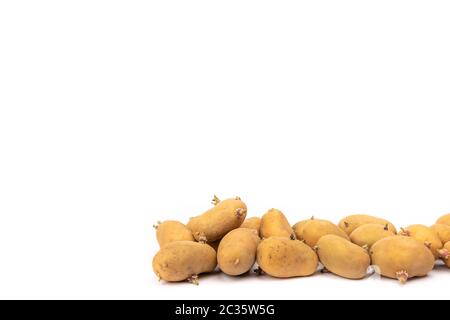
(350, 223)
(314, 229)
(281, 257)
(275, 224)
(425, 235)
(298, 228)
(252, 223)
(237, 251)
(447, 258)
(218, 221)
(400, 257)
(443, 231)
(178, 261)
(342, 257)
(170, 231)
(369, 234)
(445, 219)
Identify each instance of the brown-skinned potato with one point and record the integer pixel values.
(315, 229)
(443, 231)
(426, 235)
(369, 234)
(281, 257)
(252, 223)
(445, 254)
(170, 231)
(402, 258)
(350, 223)
(445, 219)
(237, 251)
(216, 222)
(298, 228)
(342, 257)
(275, 224)
(182, 260)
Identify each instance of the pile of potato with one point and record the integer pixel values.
(222, 236)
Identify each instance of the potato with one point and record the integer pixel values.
(218, 221)
(314, 229)
(402, 258)
(342, 257)
(170, 231)
(237, 251)
(445, 254)
(425, 235)
(350, 223)
(252, 223)
(298, 228)
(182, 260)
(275, 224)
(281, 257)
(443, 231)
(445, 219)
(368, 234)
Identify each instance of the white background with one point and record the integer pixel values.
(116, 114)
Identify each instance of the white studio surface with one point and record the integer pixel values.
(116, 114)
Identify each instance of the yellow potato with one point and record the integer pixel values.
(445, 254)
(402, 258)
(218, 221)
(445, 219)
(237, 251)
(315, 229)
(368, 234)
(170, 231)
(298, 228)
(281, 257)
(275, 224)
(425, 235)
(443, 231)
(252, 223)
(342, 257)
(350, 223)
(182, 260)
